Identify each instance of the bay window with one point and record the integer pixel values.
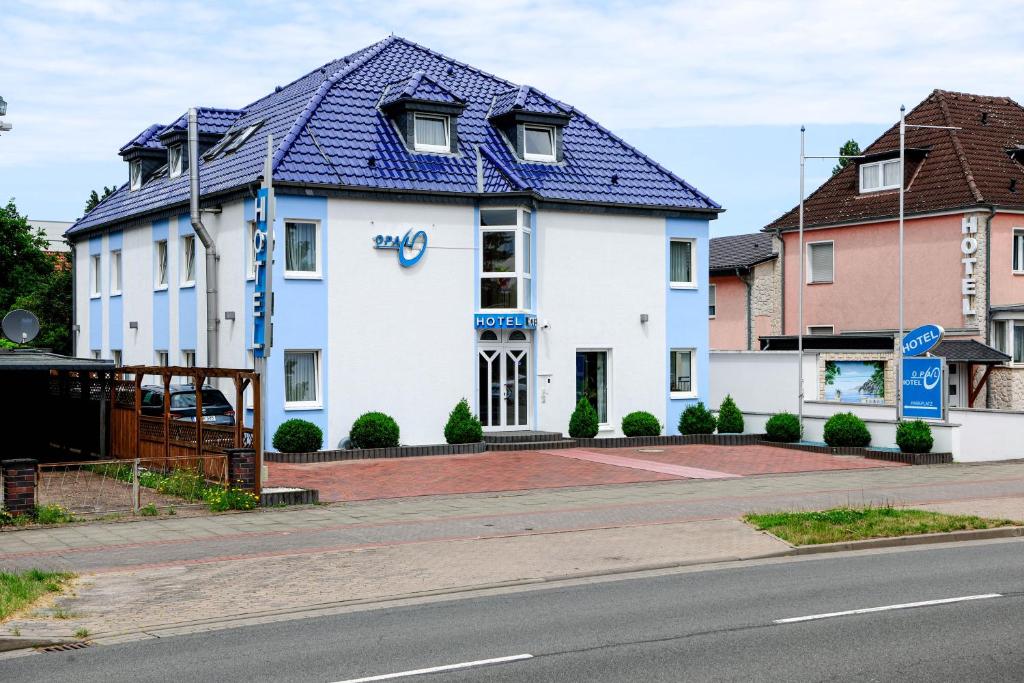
(506, 248)
(1008, 337)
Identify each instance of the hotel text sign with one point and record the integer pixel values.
(504, 321)
(922, 387)
(920, 341)
(968, 248)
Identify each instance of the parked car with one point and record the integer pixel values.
(216, 409)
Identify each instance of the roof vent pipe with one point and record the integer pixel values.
(212, 318)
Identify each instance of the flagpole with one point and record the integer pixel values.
(899, 339)
(800, 298)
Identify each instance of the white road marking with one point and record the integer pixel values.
(437, 669)
(908, 605)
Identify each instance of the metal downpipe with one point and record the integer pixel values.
(212, 315)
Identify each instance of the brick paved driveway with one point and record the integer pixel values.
(522, 470)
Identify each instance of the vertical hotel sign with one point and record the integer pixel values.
(969, 259)
(262, 328)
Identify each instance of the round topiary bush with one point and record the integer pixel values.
(730, 419)
(914, 437)
(783, 427)
(697, 419)
(463, 426)
(846, 429)
(583, 422)
(298, 436)
(641, 423)
(374, 430)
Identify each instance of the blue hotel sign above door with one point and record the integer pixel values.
(923, 387)
(920, 341)
(410, 246)
(505, 321)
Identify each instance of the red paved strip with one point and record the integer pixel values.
(750, 460)
(438, 475)
(637, 464)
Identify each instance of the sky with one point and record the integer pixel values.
(715, 91)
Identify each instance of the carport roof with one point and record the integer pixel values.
(44, 360)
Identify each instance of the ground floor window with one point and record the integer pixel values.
(301, 379)
(162, 359)
(592, 380)
(115, 354)
(681, 373)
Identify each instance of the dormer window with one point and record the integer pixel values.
(175, 161)
(135, 174)
(539, 143)
(431, 133)
(881, 175)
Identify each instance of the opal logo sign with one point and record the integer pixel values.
(410, 246)
(922, 387)
(922, 340)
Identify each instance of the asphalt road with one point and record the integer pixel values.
(716, 624)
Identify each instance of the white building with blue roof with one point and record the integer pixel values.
(548, 259)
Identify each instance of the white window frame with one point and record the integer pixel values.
(317, 360)
(1017, 251)
(95, 276)
(607, 425)
(1011, 324)
(810, 261)
(97, 354)
(250, 250)
(115, 272)
(318, 260)
(523, 279)
(550, 130)
(188, 358)
(117, 356)
(186, 281)
(831, 329)
(692, 393)
(712, 296)
(424, 147)
(175, 160)
(692, 284)
(880, 165)
(162, 359)
(158, 246)
(135, 174)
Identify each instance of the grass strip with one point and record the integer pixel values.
(19, 590)
(857, 524)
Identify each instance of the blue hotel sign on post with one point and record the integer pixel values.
(923, 387)
(260, 306)
(920, 341)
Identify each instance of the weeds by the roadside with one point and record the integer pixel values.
(19, 590)
(82, 633)
(852, 524)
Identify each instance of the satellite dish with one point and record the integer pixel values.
(21, 326)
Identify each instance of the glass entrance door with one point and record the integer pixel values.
(503, 366)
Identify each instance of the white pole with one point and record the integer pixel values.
(800, 296)
(263, 364)
(899, 339)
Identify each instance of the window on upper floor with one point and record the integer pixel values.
(880, 175)
(1018, 250)
(682, 274)
(95, 276)
(115, 271)
(1008, 337)
(820, 262)
(301, 249)
(538, 143)
(506, 253)
(712, 300)
(160, 264)
(188, 260)
(175, 160)
(135, 174)
(431, 133)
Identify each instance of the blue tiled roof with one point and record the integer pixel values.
(327, 127)
(208, 119)
(147, 138)
(419, 86)
(525, 99)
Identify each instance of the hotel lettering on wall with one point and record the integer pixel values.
(969, 249)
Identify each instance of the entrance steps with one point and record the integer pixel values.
(525, 439)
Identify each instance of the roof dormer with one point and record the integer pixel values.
(211, 125)
(425, 112)
(145, 156)
(531, 122)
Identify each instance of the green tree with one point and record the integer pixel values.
(34, 280)
(849, 149)
(95, 198)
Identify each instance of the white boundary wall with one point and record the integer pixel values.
(989, 434)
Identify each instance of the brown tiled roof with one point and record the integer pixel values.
(739, 251)
(944, 169)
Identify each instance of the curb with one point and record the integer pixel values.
(918, 539)
(11, 643)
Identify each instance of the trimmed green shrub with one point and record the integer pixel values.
(697, 419)
(374, 430)
(583, 422)
(784, 427)
(730, 419)
(914, 437)
(641, 423)
(846, 429)
(463, 426)
(298, 436)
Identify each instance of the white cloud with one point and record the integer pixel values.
(83, 76)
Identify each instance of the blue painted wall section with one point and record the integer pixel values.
(115, 307)
(187, 312)
(96, 302)
(161, 298)
(686, 316)
(300, 313)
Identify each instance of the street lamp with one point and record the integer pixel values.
(4, 127)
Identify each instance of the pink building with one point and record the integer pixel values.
(963, 241)
(743, 297)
